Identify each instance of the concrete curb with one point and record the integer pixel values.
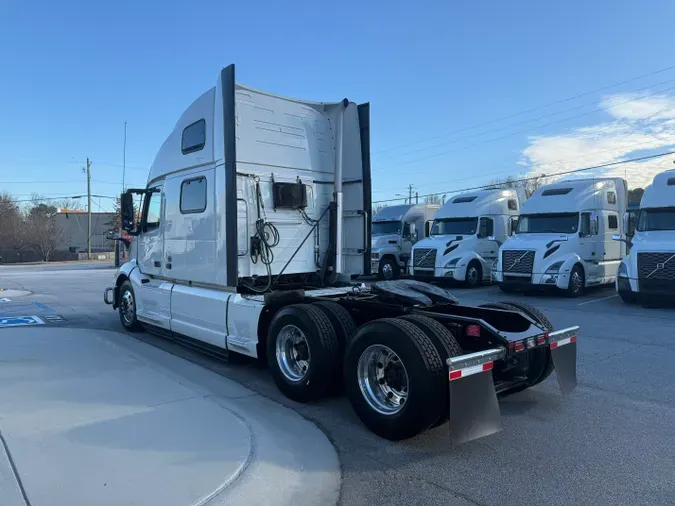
(100, 406)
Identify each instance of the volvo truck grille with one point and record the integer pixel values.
(424, 257)
(656, 272)
(517, 261)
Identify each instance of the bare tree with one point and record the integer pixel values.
(530, 184)
(43, 234)
(432, 199)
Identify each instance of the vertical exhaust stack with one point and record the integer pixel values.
(338, 186)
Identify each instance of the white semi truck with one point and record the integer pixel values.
(564, 237)
(395, 231)
(465, 237)
(649, 269)
(253, 221)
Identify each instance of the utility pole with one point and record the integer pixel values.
(88, 209)
(417, 197)
(124, 157)
(410, 189)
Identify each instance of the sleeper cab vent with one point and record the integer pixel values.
(555, 191)
(290, 196)
(671, 181)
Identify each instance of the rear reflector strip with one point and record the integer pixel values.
(468, 371)
(563, 342)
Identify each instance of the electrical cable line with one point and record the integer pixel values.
(550, 104)
(436, 155)
(522, 180)
(453, 141)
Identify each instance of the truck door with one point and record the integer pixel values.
(485, 247)
(589, 249)
(153, 295)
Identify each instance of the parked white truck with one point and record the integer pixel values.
(251, 224)
(465, 237)
(649, 268)
(395, 230)
(564, 237)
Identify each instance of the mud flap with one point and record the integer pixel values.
(563, 344)
(474, 411)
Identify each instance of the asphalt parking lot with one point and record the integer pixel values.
(611, 442)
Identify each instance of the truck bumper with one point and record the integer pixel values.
(474, 410)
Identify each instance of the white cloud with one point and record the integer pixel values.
(639, 125)
(632, 107)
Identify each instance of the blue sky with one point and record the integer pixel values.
(74, 72)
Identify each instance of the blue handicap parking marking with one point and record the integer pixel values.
(17, 321)
(45, 308)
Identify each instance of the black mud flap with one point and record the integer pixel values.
(563, 344)
(474, 411)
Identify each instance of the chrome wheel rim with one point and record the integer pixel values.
(576, 281)
(387, 271)
(383, 379)
(293, 355)
(472, 275)
(127, 307)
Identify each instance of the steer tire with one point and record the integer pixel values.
(447, 347)
(128, 319)
(393, 265)
(324, 352)
(469, 281)
(424, 368)
(506, 288)
(541, 364)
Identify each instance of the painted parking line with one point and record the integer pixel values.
(598, 300)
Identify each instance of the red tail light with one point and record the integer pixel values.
(519, 346)
(473, 331)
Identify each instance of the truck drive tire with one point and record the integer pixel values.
(303, 352)
(127, 308)
(388, 269)
(395, 378)
(342, 322)
(446, 345)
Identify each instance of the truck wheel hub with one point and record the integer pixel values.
(383, 379)
(293, 354)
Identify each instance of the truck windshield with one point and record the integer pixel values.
(386, 227)
(656, 219)
(455, 226)
(554, 223)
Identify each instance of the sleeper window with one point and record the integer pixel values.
(193, 195)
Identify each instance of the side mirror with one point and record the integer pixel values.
(413, 232)
(127, 211)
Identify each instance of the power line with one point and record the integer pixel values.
(40, 199)
(597, 90)
(522, 180)
(453, 141)
(436, 155)
(513, 133)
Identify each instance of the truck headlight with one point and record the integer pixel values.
(452, 262)
(623, 271)
(554, 268)
(376, 256)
